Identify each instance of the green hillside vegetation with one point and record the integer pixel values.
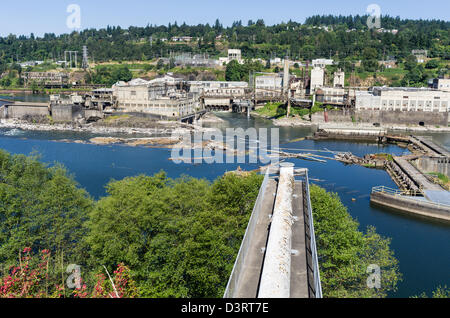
(347, 40)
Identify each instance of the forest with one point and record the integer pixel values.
(338, 37)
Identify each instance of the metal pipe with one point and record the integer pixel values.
(276, 276)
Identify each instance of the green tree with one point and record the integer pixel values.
(346, 253)
(160, 64)
(440, 292)
(432, 64)
(370, 60)
(40, 207)
(410, 62)
(179, 237)
(121, 73)
(233, 71)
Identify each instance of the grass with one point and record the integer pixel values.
(385, 156)
(442, 177)
(115, 117)
(271, 110)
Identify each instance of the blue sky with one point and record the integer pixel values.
(39, 17)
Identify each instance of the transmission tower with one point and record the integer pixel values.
(73, 58)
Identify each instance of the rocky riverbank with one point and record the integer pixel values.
(210, 118)
(293, 122)
(159, 129)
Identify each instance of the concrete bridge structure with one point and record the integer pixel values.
(278, 257)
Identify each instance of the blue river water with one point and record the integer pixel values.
(421, 245)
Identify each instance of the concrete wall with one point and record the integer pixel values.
(430, 165)
(334, 116)
(65, 113)
(384, 117)
(412, 206)
(21, 111)
(400, 117)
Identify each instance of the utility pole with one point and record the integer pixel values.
(286, 85)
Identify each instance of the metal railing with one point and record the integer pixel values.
(243, 251)
(315, 258)
(406, 195)
(383, 189)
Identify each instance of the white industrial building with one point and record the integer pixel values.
(403, 99)
(339, 79)
(322, 63)
(218, 88)
(317, 77)
(269, 85)
(331, 95)
(233, 55)
(156, 97)
(442, 84)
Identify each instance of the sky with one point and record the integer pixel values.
(50, 16)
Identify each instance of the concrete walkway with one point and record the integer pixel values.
(248, 271)
(416, 175)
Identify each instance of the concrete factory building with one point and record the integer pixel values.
(157, 97)
(322, 63)
(233, 55)
(52, 79)
(339, 79)
(317, 77)
(218, 88)
(442, 84)
(404, 100)
(269, 85)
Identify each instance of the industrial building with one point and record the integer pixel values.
(161, 96)
(322, 63)
(442, 84)
(162, 106)
(403, 99)
(331, 95)
(197, 60)
(218, 88)
(233, 55)
(317, 78)
(339, 79)
(49, 79)
(269, 85)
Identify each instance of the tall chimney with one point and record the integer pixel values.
(286, 75)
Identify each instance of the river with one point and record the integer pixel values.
(420, 245)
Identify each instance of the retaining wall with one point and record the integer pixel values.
(21, 111)
(411, 206)
(383, 117)
(65, 113)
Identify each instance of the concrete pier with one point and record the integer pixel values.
(278, 256)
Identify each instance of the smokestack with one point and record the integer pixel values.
(286, 75)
